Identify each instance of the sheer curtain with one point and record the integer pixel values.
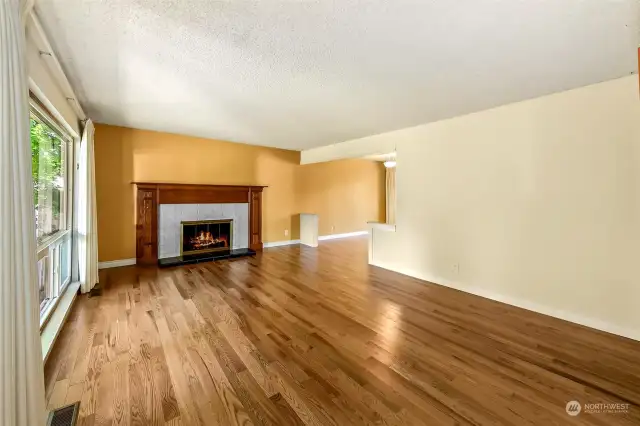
(87, 218)
(391, 195)
(21, 370)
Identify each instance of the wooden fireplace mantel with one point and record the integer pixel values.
(150, 195)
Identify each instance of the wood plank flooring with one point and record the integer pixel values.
(302, 336)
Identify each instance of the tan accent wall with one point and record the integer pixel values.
(345, 194)
(126, 155)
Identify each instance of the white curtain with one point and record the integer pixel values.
(21, 370)
(391, 195)
(87, 216)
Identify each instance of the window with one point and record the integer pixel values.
(48, 153)
(51, 159)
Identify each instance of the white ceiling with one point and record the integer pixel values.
(304, 73)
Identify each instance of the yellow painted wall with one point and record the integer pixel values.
(345, 194)
(126, 155)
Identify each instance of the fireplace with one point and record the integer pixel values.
(150, 196)
(205, 236)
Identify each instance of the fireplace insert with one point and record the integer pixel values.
(204, 236)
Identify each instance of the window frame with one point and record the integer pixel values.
(44, 116)
(51, 245)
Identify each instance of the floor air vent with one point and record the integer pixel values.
(65, 416)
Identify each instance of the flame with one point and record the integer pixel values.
(206, 239)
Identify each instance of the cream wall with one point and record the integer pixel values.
(534, 204)
(44, 85)
(357, 148)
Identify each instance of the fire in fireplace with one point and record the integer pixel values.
(205, 236)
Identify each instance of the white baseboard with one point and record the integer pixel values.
(281, 243)
(347, 235)
(594, 323)
(324, 237)
(116, 263)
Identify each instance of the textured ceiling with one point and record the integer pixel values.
(304, 73)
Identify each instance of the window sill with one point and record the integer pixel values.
(57, 318)
(45, 314)
(52, 239)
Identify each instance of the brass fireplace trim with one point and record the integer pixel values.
(205, 222)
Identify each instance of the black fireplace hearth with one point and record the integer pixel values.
(205, 257)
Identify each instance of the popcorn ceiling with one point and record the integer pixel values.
(301, 74)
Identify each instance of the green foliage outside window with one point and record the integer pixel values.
(47, 153)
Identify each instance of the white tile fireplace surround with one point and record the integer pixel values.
(170, 216)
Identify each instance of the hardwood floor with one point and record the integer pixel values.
(302, 336)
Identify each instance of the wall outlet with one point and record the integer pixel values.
(333, 228)
(456, 268)
(286, 232)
